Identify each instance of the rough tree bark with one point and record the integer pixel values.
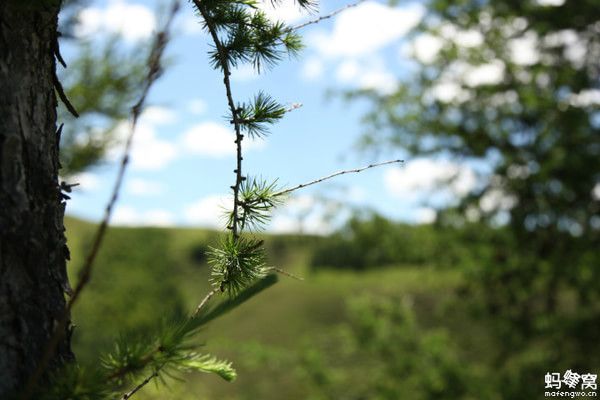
(32, 242)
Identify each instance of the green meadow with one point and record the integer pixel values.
(146, 275)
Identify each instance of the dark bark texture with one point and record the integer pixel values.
(33, 249)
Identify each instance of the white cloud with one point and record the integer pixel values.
(86, 180)
(366, 28)
(347, 71)
(285, 10)
(425, 215)
(158, 217)
(143, 187)
(378, 79)
(157, 115)
(124, 215)
(366, 74)
(208, 211)
(132, 21)
(191, 24)
(312, 69)
(303, 214)
(214, 140)
(197, 106)
(129, 216)
(148, 152)
(424, 178)
(356, 194)
(244, 73)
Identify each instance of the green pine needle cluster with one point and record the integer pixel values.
(246, 34)
(255, 117)
(237, 263)
(258, 198)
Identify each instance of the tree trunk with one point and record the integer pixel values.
(32, 243)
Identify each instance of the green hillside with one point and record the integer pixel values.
(145, 274)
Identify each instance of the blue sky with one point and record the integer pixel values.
(183, 154)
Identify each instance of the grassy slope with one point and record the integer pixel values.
(143, 274)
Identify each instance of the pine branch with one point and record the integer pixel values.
(133, 391)
(348, 171)
(324, 17)
(224, 63)
(154, 72)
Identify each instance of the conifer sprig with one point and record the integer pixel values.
(255, 118)
(241, 33)
(257, 201)
(237, 263)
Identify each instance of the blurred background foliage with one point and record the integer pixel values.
(480, 304)
(102, 80)
(533, 123)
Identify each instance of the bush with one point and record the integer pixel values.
(373, 241)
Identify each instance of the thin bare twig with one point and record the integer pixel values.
(286, 273)
(348, 171)
(327, 16)
(293, 106)
(139, 386)
(204, 302)
(154, 72)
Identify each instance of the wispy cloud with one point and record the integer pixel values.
(208, 211)
(149, 152)
(214, 140)
(365, 29)
(143, 187)
(129, 216)
(424, 179)
(132, 21)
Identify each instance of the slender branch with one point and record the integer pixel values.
(204, 302)
(286, 273)
(293, 106)
(154, 72)
(133, 391)
(234, 113)
(348, 171)
(327, 16)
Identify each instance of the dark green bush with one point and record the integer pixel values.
(373, 241)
